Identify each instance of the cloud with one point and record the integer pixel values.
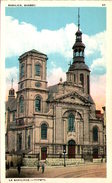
(98, 43)
(21, 37)
(95, 42)
(55, 75)
(98, 66)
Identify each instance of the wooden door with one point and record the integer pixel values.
(43, 153)
(71, 149)
(95, 153)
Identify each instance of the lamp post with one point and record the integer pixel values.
(64, 151)
(64, 157)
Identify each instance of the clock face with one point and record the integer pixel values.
(37, 84)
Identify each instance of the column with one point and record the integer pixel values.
(86, 127)
(64, 131)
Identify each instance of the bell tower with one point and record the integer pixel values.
(78, 72)
(32, 86)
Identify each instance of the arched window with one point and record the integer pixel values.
(77, 53)
(29, 142)
(22, 70)
(95, 134)
(44, 131)
(21, 104)
(71, 123)
(19, 141)
(37, 70)
(88, 87)
(82, 79)
(81, 53)
(37, 104)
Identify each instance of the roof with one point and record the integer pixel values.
(52, 89)
(31, 52)
(90, 99)
(78, 66)
(11, 104)
(78, 44)
(78, 32)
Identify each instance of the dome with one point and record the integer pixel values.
(78, 33)
(78, 44)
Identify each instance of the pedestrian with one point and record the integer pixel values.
(43, 167)
(8, 166)
(38, 166)
(11, 163)
(102, 159)
(19, 168)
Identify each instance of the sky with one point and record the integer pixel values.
(51, 30)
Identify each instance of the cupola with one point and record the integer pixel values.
(11, 91)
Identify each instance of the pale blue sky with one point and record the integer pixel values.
(92, 20)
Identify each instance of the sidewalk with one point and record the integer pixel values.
(88, 170)
(75, 165)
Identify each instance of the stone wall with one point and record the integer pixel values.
(60, 162)
(30, 162)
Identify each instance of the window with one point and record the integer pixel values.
(21, 85)
(81, 53)
(29, 142)
(43, 131)
(82, 79)
(88, 90)
(37, 70)
(26, 134)
(22, 70)
(13, 116)
(19, 141)
(37, 104)
(77, 54)
(95, 134)
(21, 104)
(78, 38)
(78, 149)
(71, 123)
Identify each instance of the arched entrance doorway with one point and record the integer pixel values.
(95, 152)
(43, 153)
(71, 149)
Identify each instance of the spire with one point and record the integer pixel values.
(12, 83)
(78, 47)
(78, 18)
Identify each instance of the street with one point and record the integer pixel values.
(86, 170)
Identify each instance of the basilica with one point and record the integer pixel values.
(49, 120)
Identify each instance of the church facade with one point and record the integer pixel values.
(46, 120)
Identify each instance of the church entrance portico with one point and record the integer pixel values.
(71, 149)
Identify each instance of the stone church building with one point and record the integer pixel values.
(46, 120)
